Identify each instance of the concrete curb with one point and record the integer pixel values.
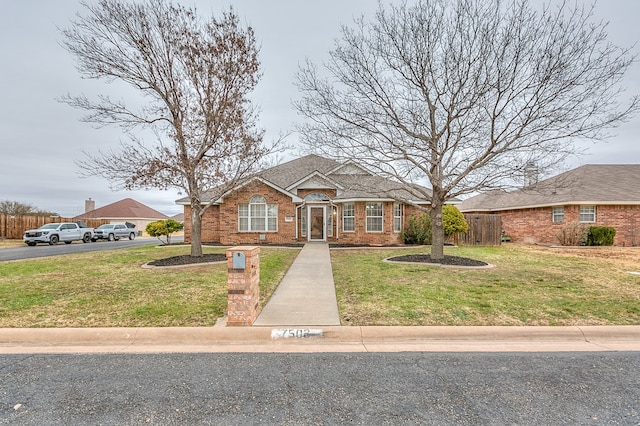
(333, 339)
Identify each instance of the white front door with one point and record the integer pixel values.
(316, 222)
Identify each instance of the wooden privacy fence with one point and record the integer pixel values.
(13, 227)
(484, 230)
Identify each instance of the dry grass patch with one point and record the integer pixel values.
(11, 243)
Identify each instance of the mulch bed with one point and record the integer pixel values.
(417, 258)
(448, 260)
(188, 260)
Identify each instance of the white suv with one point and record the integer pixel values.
(113, 232)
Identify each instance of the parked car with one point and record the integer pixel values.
(51, 233)
(114, 231)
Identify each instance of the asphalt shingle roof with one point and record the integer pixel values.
(352, 186)
(127, 208)
(589, 184)
(293, 171)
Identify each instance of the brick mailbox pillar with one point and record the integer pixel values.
(243, 285)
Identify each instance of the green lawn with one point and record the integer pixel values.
(528, 286)
(108, 289)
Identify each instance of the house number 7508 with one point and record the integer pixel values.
(296, 333)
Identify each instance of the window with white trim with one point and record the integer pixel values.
(587, 213)
(397, 217)
(257, 216)
(558, 214)
(330, 221)
(375, 219)
(348, 217)
(303, 221)
(316, 196)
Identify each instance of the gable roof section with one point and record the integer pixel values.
(280, 177)
(127, 208)
(286, 174)
(373, 187)
(351, 181)
(591, 184)
(315, 180)
(350, 168)
(294, 197)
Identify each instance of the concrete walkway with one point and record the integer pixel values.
(306, 295)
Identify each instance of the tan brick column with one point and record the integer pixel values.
(243, 285)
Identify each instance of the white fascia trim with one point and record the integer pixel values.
(312, 175)
(558, 204)
(294, 198)
(350, 163)
(353, 200)
(187, 203)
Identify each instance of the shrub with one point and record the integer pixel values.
(600, 235)
(453, 220)
(418, 230)
(165, 228)
(573, 234)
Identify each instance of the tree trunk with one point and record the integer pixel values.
(437, 230)
(196, 229)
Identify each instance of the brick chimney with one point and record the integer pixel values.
(89, 205)
(530, 174)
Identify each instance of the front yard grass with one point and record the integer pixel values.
(529, 286)
(110, 289)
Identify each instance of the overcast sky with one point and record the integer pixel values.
(41, 139)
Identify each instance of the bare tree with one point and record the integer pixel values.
(464, 93)
(16, 208)
(195, 75)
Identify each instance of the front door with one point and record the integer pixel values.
(316, 223)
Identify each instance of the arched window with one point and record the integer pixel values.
(257, 216)
(317, 196)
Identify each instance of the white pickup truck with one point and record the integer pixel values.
(51, 233)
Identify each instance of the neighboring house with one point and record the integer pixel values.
(126, 210)
(594, 194)
(309, 199)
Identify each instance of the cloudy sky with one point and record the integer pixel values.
(41, 139)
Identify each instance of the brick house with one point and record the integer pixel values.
(593, 194)
(309, 199)
(125, 210)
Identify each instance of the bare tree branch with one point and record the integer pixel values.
(195, 76)
(465, 93)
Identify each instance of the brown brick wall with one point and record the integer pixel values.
(536, 225)
(361, 236)
(220, 223)
(229, 234)
(210, 225)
